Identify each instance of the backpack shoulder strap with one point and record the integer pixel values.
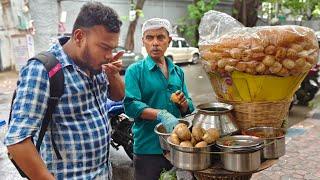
(53, 68)
(56, 80)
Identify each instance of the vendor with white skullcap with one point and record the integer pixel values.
(150, 84)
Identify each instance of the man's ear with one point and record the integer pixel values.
(142, 39)
(170, 39)
(78, 36)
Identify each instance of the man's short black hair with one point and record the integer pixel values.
(95, 13)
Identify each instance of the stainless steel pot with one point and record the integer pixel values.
(273, 138)
(163, 135)
(242, 153)
(216, 115)
(190, 158)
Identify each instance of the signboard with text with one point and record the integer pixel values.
(23, 49)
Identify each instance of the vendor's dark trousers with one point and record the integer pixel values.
(149, 167)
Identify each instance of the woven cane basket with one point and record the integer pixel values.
(257, 114)
(203, 176)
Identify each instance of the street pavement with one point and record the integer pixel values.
(302, 140)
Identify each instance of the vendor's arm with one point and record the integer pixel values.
(133, 105)
(28, 110)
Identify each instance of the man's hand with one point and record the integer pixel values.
(114, 66)
(167, 119)
(116, 85)
(182, 101)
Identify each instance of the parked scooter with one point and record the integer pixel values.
(309, 86)
(121, 134)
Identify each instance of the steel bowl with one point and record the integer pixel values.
(216, 115)
(241, 153)
(163, 135)
(190, 158)
(273, 138)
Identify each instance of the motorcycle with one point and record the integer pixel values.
(309, 87)
(121, 124)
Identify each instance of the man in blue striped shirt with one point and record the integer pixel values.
(80, 127)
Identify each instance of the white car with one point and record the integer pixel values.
(179, 51)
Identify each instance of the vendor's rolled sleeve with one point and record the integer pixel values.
(29, 104)
(134, 108)
(132, 101)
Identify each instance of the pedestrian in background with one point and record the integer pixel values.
(80, 127)
(149, 86)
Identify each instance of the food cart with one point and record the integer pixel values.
(254, 73)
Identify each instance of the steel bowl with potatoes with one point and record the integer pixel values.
(189, 148)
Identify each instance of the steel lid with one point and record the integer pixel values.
(239, 142)
(215, 108)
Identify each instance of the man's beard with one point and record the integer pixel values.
(85, 62)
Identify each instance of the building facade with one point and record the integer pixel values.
(40, 22)
(16, 33)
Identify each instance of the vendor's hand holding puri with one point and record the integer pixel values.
(179, 99)
(175, 97)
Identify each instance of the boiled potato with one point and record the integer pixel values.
(193, 140)
(201, 144)
(211, 135)
(214, 133)
(207, 138)
(174, 139)
(197, 133)
(183, 133)
(178, 126)
(186, 144)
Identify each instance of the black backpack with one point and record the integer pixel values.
(56, 80)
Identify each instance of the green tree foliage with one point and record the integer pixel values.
(306, 9)
(188, 26)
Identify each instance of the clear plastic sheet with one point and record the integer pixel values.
(227, 46)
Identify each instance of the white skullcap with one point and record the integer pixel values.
(156, 23)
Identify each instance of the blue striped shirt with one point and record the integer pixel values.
(80, 125)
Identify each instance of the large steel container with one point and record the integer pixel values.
(216, 115)
(190, 158)
(241, 153)
(273, 138)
